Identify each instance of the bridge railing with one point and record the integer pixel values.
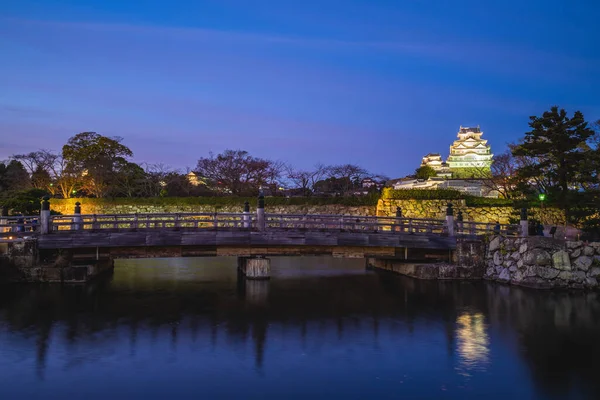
(18, 226)
(150, 221)
(469, 228)
(60, 223)
(23, 226)
(354, 223)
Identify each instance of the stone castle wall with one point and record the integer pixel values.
(437, 209)
(103, 206)
(410, 208)
(541, 262)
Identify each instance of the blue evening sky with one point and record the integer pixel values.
(373, 82)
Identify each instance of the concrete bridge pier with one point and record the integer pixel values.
(255, 267)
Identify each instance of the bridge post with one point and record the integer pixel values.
(246, 217)
(524, 223)
(77, 218)
(3, 215)
(45, 216)
(450, 219)
(260, 212)
(459, 222)
(399, 226)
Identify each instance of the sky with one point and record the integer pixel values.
(378, 83)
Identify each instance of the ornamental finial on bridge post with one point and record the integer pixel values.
(260, 211)
(449, 209)
(46, 203)
(246, 206)
(77, 208)
(459, 216)
(524, 214)
(398, 212)
(261, 199)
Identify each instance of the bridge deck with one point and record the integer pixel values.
(240, 238)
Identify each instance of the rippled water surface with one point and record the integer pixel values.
(320, 328)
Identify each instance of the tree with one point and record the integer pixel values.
(554, 154)
(503, 175)
(425, 172)
(129, 180)
(38, 165)
(305, 180)
(347, 176)
(13, 177)
(96, 159)
(237, 172)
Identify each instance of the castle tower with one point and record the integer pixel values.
(470, 155)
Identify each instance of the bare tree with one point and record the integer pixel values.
(38, 166)
(348, 175)
(305, 180)
(237, 172)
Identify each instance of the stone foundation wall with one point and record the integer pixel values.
(437, 209)
(542, 262)
(410, 208)
(436, 271)
(92, 206)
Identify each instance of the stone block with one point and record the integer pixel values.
(498, 259)
(537, 257)
(504, 275)
(575, 252)
(517, 277)
(582, 263)
(495, 243)
(547, 273)
(560, 260)
(588, 251)
(590, 282)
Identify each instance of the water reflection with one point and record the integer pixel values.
(472, 342)
(320, 327)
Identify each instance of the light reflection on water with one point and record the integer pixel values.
(320, 328)
(472, 342)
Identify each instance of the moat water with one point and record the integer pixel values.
(320, 328)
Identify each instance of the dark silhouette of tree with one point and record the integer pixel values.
(425, 172)
(237, 172)
(555, 155)
(96, 159)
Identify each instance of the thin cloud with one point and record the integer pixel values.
(488, 55)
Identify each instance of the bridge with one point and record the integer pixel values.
(81, 239)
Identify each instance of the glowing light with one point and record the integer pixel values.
(542, 197)
(472, 342)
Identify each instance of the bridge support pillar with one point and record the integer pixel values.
(255, 267)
